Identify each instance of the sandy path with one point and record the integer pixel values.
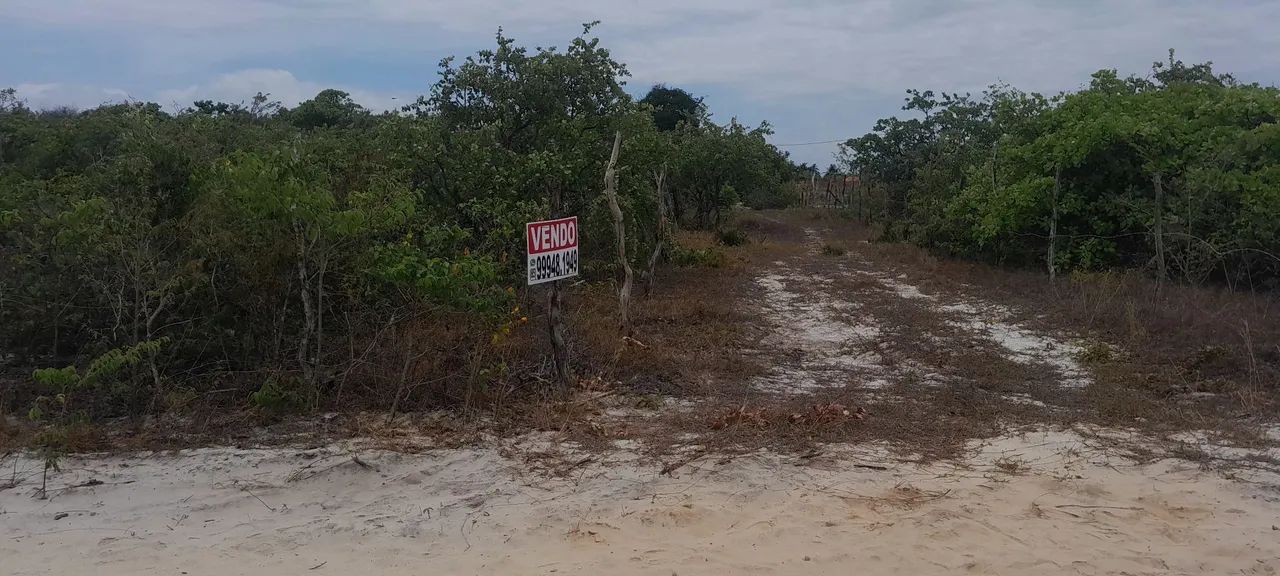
(1045, 503)
(829, 326)
(1065, 510)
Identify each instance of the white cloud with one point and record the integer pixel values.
(78, 96)
(281, 85)
(182, 14)
(885, 46)
(839, 61)
(765, 48)
(470, 16)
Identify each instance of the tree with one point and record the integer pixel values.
(673, 106)
(10, 102)
(546, 115)
(1129, 172)
(329, 108)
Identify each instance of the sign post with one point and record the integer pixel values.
(553, 249)
(553, 255)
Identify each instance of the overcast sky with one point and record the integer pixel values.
(816, 69)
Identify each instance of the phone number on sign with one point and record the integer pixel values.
(554, 265)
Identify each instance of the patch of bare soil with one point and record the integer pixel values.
(1045, 503)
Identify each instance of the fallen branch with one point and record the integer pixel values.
(1084, 507)
(255, 497)
(576, 465)
(667, 469)
(870, 466)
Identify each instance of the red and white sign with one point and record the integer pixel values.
(553, 249)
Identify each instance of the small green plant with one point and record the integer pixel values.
(276, 397)
(1207, 356)
(829, 249)
(1095, 352)
(732, 237)
(705, 257)
(63, 385)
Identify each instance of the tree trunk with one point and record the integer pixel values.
(676, 212)
(1158, 180)
(317, 372)
(813, 189)
(157, 385)
(308, 312)
(619, 229)
(403, 384)
(861, 217)
(995, 159)
(1053, 223)
(660, 182)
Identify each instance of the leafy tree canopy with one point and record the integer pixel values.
(672, 106)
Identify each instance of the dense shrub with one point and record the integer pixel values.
(1177, 173)
(274, 251)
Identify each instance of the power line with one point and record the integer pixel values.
(811, 143)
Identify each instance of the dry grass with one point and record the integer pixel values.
(1172, 339)
(1010, 465)
(1213, 353)
(688, 333)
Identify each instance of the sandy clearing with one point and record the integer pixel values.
(812, 319)
(812, 323)
(1066, 510)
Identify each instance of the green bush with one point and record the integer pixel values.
(705, 257)
(277, 397)
(254, 239)
(1175, 173)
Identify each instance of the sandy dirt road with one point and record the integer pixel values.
(1048, 502)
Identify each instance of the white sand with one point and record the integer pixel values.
(1067, 510)
(816, 325)
(995, 323)
(819, 323)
